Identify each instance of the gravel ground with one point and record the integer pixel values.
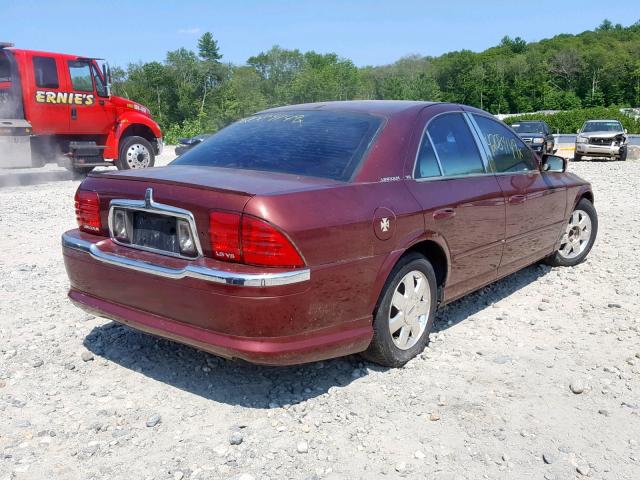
(536, 376)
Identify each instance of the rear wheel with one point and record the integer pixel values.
(578, 237)
(404, 314)
(135, 152)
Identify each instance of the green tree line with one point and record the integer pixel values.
(191, 92)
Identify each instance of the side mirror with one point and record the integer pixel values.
(106, 74)
(554, 164)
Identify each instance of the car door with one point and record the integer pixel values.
(91, 111)
(535, 202)
(46, 107)
(461, 201)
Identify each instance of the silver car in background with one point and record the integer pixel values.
(601, 138)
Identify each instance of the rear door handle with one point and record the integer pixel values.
(517, 199)
(444, 213)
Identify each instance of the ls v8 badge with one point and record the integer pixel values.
(64, 98)
(384, 222)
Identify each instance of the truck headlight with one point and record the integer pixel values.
(538, 140)
(580, 139)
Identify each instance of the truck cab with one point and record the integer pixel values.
(63, 104)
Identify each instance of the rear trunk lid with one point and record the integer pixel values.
(196, 189)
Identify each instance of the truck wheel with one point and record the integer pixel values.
(577, 157)
(405, 313)
(135, 152)
(623, 154)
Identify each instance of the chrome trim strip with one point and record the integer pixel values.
(194, 271)
(149, 205)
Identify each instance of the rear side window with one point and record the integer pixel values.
(509, 153)
(454, 145)
(45, 71)
(427, 163)
(80, 73)
(310, 143)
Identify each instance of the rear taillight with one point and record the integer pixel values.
(262, 244)
(245, 239)
(224, 231)
(88, 211)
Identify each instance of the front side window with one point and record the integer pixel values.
(310, 143)
(46, 72)
(5, 68)
(509, 153)
(454, 145)
(80, 74)
(101, 87)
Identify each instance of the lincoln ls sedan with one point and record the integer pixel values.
(314, 231)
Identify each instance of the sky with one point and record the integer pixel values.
(374, 32)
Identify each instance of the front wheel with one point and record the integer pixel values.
(578, 236)
(623, 154)
(577, 157)
(404, 314)
(135, 152)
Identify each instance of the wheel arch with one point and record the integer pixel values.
(433, 249)
(435, 253)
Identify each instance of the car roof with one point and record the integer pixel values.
(374, 107)
(603, 120)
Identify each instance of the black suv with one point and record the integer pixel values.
(537, 135)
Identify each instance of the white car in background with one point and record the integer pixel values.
(601, 138)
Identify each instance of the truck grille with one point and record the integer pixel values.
(600, 141)
(527, 139)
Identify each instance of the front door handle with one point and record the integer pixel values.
(517, 199)
(74, 113)
(444, 214)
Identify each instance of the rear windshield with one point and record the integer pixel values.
(309, 143)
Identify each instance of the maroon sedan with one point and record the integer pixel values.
(314, 231)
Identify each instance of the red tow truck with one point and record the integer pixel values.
(58, 107)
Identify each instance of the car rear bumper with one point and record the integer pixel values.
(274, 319)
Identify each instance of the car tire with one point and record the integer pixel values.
(393, 345)
(135, 152)
(573, 247)
(623, 154)
(577, 157)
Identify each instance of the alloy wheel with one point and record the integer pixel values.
(577, 235)
(409, 309)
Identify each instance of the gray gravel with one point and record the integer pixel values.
(489, 398)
